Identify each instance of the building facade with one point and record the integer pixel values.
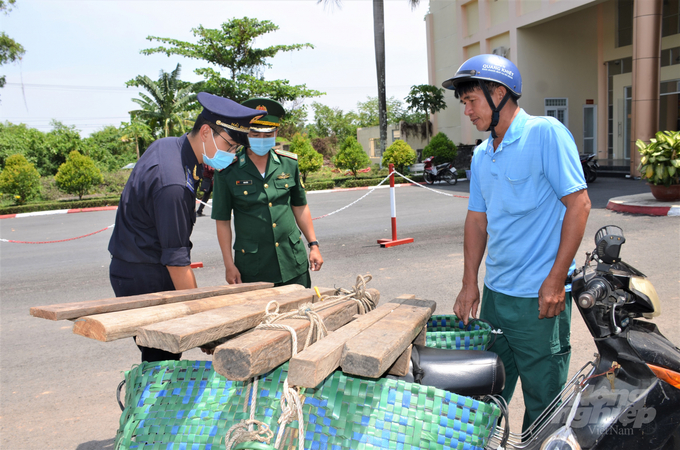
(608, 69)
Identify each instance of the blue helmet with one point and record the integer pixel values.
(488, 68)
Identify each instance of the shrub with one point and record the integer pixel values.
(19, 179)
(114, 182)
(320, 186)
(442, 148)
(309, 160)
(400, 154)
(351, 156)
(78, 175)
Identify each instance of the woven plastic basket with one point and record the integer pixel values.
(185, 405)
(448, 331)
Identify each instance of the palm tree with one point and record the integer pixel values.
(379, 39)
(136, 130)
(168, 98)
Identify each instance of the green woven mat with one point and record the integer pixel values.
(447, 331)
(185, 405)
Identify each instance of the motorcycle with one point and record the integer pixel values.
(589, 165)
(432, 173)
(628, 397)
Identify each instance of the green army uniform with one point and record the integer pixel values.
(268, 245)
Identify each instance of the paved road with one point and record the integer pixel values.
(57, 389)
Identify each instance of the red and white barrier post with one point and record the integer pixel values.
(386, 243)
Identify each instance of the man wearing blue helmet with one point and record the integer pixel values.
(528, 200)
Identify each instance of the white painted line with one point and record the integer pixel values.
(43, 213)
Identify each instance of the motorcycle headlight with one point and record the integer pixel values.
(562, 439)
(642, 286)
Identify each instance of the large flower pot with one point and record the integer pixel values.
(665, 193)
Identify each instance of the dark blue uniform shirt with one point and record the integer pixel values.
(156, 213)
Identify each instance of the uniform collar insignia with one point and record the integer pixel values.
(195, 176)
(242, 160)
(283, 176)
(275, 158)
(190, 182)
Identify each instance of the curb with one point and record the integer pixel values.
(112, 208)
(59, 211)
(644, 204)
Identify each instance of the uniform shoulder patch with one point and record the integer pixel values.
(285, 153)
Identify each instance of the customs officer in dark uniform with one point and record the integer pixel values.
(150, 246)
(263, 189)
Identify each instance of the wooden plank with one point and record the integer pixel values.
(259, 351)
(402, 364)
(374, 350)
(184, 333)
(117, 325)
(421, 339)
(66, 311)
(310, 367)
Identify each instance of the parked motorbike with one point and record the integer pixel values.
(628, 397)
(432, 173)
(590, 166)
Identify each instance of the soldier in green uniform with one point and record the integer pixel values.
(264, 190)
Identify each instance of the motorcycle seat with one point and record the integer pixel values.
(463, 372)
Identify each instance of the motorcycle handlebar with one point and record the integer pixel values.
(596, 291)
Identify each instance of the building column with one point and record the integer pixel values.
(602, 101)
(646, 67)
(431, 66)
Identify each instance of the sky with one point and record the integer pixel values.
(79, 53)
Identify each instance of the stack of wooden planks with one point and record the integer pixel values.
(224, 318)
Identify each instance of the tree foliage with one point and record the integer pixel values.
(78, 175)
(425, 99)
(351, 156)
(19, 179)
(109, 148)
(442, 148)
(163, 110)
(369, 111)
(400, 154)
(309, 160)
(231, 48)
(10, 50)
(332, 122)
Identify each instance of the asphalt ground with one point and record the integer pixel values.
(57, 390)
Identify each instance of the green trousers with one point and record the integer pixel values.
(303, 279)
(535, 350)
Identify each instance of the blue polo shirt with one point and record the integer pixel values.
(519, 187)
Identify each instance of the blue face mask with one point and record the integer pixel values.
(221, 159)
(260, 146)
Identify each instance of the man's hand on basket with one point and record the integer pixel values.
(467, 303)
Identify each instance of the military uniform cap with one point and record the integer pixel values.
(226, 113)
(273, 112)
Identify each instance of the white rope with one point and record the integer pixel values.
(359, 294)
(203, 203)
(355, 201)
(291, 400)
(424, 187)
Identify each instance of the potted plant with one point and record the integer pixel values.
(660, 164)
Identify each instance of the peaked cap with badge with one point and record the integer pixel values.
(273, 113)
(226, 113)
